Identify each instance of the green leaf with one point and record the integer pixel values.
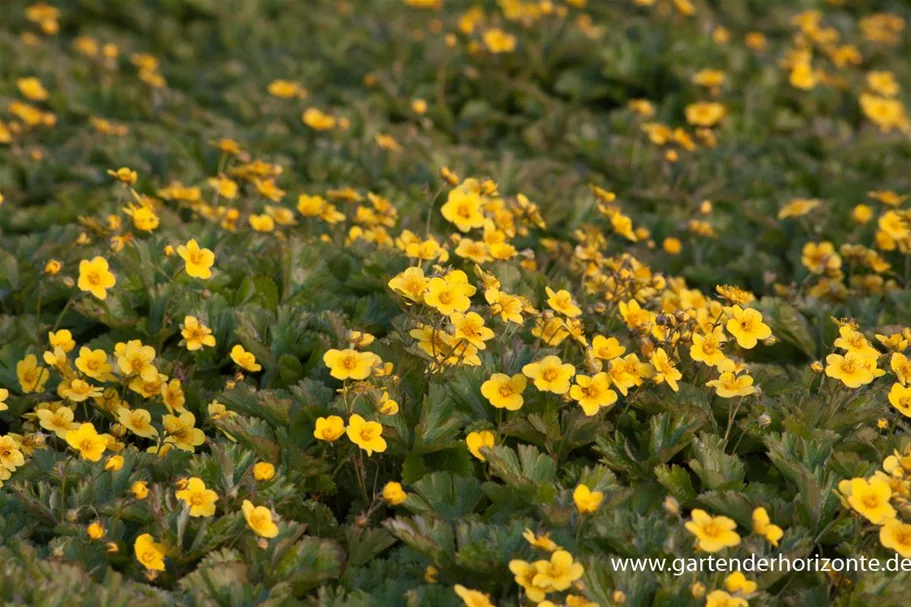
(311, 562)
(439, 423)
(451, 497)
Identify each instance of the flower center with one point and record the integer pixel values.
(711, 530)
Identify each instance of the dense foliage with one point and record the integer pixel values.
(452, 302)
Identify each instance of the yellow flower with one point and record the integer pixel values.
(709, 78)
(181, 431)
(450, 294)
(629, 371)
(94, 364)
(607, 348)
(285, 89)
(10, 456)
(32, 89)
(87, 442)
(586, 500)
(148, 388)
(58, 360)
(541, 541)
(851, 370)
(135, 359)
(550, 374)
(52, 267)
(366, 435)
(195, 334)
(418, 106)
(259, 519)
(720, 598)
(854, 342)
(349, 364)
(497, 41)
(471, 598)
(707, 348)
(78, 390)
(559, 572)
(62, 339)
(705, 113)
(820, 257)
(888, 114)
(263, 471)
(798, 207)
(198, 261)
(124, 175)
(172, 395)
(262, 223)
(475, 251)
(386, 405)
(393, 493)
(525, 577)
(410, 284)
(871, 499)
(729, 385)
(562, 302)
(200, 500)
(436, 343)
(505, 392)
(803, 76)
(95, 531)
(887, 197)
(896, 535)
(244, 359)
(224, 186)
(144, 218)
(507, 307)
(149, 553)
(137, 421)
(463, 208)
(901, 366)
(900, 398)
(665, 371)
(470, 327)
(4, 394)
(593, 393)
(737, 582)
(310, 206)
(476, 440)
(747, 327)
(59, 420)
(95, 277)
(317, 120)
(114, 463)
(140, 490)
(672, 245)
(764, 527)
(713, 533)
(329, 428)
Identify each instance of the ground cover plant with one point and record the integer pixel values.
(453, 302)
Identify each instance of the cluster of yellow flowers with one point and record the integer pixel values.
(534, 334)
(881, 499)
